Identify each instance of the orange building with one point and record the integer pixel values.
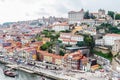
(75, 60)
(49, 57)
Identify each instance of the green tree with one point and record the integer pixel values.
(38, 38)
(117, 16)
(62, 53)
(108, 28)
(80, 43)
(89, 41)
(92, 16)
(44, 47)
(111, 13)
(87, 15)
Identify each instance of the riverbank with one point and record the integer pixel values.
(53, 74)
(39, 71)
(22, 75)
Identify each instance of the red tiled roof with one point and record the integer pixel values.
(45, 53)
(114, 35)
(62, 24)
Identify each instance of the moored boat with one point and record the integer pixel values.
(10, 73)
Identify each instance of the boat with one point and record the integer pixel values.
(10, 73)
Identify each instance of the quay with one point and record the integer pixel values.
(35, 70)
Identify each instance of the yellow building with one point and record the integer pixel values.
(77, 28)
(44, 40)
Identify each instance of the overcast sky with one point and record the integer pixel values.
(17, 10)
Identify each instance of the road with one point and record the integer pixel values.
(37, 66)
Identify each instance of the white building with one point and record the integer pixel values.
(68, 38)
(99, 42)
(109, 39)
(116, 22)
(75, 17)
(116, 46)
(60, 27)
(100, 14)
(90, 22)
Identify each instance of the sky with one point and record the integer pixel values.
(18, 10)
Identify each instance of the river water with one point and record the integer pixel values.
(21, 75)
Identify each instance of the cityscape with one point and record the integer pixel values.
(85, 45)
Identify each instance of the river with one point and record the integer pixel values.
(21, 75)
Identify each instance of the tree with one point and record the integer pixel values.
(87, 15)
(44, 47)
(108, 28)
(111, 13)
(92, 16)
(117, 16)
(80, 43)
(62, 53)
(38, 38)
(89, 41)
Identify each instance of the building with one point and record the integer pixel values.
(100, 21)
(109, 39)
(116, 22)
(75, 17)
(102, 49)
(116, 46)
(29, 53)
(90, 22)
(50, 58)
(99, 42)
(68, 38)
(60, 26)
(100, 14)
(74, 60)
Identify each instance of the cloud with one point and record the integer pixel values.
(13, 10)
(42, 11)
(2, 0)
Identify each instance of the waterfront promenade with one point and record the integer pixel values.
(59, 74)
(32, 69)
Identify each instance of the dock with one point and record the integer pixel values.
(26, 70)
(12, 66)
(34, 70)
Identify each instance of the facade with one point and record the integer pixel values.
(100, 21)
(99, 42)
(74, 60)
(110, 38)
(102, 49)
(49, 57)
(60, 27)
(90, 22)
(116, 46)
(100, 14)
(75, 17)
(68, 38)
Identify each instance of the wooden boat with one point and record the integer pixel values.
(10, 73)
